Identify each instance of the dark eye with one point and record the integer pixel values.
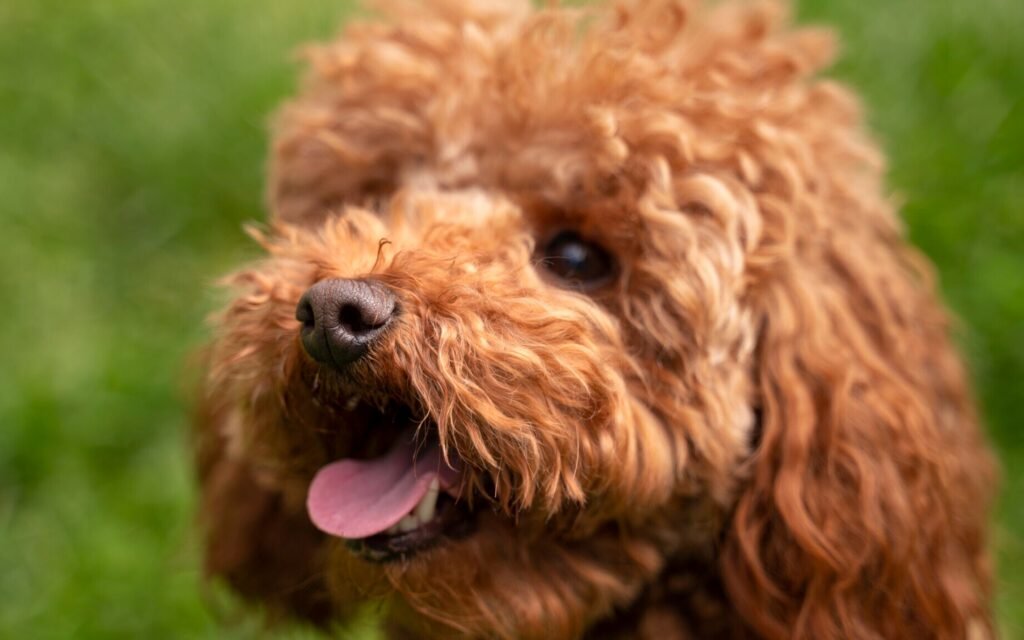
(577, 261)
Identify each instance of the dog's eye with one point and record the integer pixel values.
(577, 261)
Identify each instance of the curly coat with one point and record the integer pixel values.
(760, 428)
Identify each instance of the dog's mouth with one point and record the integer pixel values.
(393, 505)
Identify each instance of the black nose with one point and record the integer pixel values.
(342, 318)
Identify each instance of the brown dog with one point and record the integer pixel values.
(590, 324)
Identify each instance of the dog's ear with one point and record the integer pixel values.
(866, 508)
(253, 537)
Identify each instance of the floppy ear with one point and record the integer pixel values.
(256, 539)
(867, 505)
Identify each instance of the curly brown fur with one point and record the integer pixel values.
(760, 427)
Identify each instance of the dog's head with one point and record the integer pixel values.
(554, 298)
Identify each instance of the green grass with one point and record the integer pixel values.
(132, 138)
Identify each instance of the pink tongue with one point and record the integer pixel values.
(361, 498)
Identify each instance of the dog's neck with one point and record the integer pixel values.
(689, 595)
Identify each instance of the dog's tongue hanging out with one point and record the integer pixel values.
(360, 498)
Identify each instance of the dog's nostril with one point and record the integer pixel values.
(350, 317)
(304, 314)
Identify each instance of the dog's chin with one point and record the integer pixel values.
(391, 494)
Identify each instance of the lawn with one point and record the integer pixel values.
(132, 137)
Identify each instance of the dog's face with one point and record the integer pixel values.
(502, 350)
(474, 372)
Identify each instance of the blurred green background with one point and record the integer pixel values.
(132, 136)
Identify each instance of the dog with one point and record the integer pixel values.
(590, 322)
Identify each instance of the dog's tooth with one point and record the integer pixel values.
(408, 523)
(425, 509)
(393, 529)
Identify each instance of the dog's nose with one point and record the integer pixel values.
(342, 318)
